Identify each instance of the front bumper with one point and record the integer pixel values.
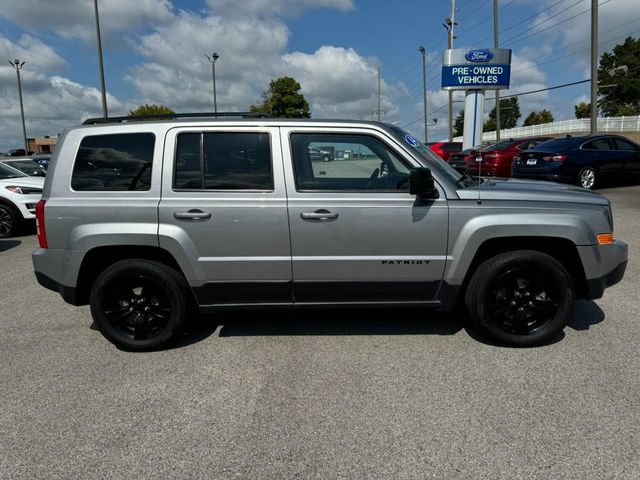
(604, 266)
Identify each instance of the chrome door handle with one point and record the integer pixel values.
(321, 215)
(192, 214)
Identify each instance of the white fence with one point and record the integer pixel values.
(582, 125)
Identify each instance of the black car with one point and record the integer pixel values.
(587, 161)
(318, 154)
(459, 160)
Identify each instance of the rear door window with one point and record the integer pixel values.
(223, 161)
(117, 162)
(597, 144)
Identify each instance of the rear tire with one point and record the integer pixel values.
(326, 158)
(140, 304)
(588, 178)
(9, 221)
(521, 298)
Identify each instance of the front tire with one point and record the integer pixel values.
(9, 221)
(140, 304)
(521, 298)
(588, 178)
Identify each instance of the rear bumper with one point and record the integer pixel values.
(56, 269)
(489, 170)
(69, 294)
(459, 166)
(549, 176)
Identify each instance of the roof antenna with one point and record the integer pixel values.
(479, 160)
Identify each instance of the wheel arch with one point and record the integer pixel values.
(561, 249)
(97, 259)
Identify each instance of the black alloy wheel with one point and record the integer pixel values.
(8, 221)
(139, 304)
(520, 298)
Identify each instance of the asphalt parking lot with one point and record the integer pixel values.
(397, 394)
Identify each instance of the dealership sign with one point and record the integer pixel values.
(476, 69)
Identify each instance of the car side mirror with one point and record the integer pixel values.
(421, 183)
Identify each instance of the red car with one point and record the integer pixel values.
(497, 158)
(445, 149)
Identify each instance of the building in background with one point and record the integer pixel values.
(42, 144)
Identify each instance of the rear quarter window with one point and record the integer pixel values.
(116, 162)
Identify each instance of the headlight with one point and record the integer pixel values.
(23, 190)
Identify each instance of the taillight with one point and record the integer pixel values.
(40, 229)
(554, 158)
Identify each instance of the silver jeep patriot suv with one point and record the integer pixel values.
(146, 219)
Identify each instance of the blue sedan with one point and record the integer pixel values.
(587, 161)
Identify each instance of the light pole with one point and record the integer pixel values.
(18, 66)
(214, 56)
(594, 67)
(424, 88)
(103, 89)
(496, 44)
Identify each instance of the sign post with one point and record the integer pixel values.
(475, 70)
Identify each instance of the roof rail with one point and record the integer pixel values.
(170, 116)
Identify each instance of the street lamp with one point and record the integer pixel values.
(100, 64)
(424, 88)
(18, 66)
(214, 56)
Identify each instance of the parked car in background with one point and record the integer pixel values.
(42, 159)
(587, 161)
(19, 194)
(16, 152)
(26, 165)
(445, 149)
(497, 158)
(459, 160)
(317, 155)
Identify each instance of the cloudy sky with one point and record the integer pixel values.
(154, 52)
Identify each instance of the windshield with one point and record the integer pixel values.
(424, 153)
(28, 167)
(500, 145)
(8, 172)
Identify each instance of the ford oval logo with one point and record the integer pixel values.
(479, 55)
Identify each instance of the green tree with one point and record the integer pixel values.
(538, 118)
(458, 125)
(509, 115)
(283, 99)
(623, 98)
(582, 110)
(148, 109)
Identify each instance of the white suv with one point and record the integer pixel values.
(19, 194)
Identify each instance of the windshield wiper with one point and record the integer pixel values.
(467, 180)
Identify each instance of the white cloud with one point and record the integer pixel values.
(25, 49)
(265, 8)
(50, 102)
(337, 82)
(75, 19)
